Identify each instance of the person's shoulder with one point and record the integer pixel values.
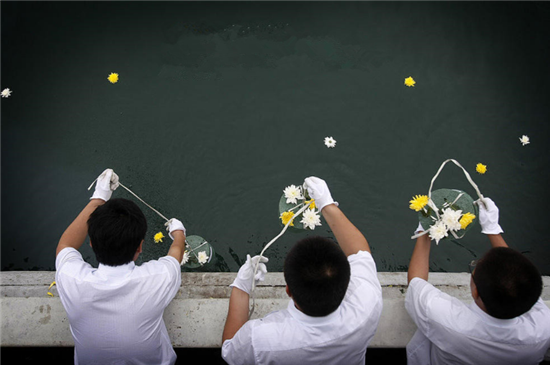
(70, 260)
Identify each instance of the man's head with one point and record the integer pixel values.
(507, 283)
(116, 230)
(317, 273)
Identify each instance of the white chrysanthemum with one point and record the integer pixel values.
(6, 93)
(202, 257)
(524, 140)
(438, 231)
(310, 219)
(185, 258)
(292, 193)
(451, 218)
(330, 142)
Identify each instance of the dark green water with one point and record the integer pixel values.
(220, 106)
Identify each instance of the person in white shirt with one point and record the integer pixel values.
(335, 300)
(115, 311)
(507, 322)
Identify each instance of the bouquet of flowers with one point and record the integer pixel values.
(446, 213)
(295, 201)
(197, 252)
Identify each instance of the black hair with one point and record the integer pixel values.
(116, 230)
(317, 273)
(507, 282)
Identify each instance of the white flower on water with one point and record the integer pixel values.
(524, 140)
(292, 193)
(438, 231)
(6, 93)
(330, 142)
(185, 258)
(202, 257)
(451, 218)
(310, 219)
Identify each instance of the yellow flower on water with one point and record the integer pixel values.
(418, 202)
(481, 168)
(286, 217)
(466, 220)
(311, 203)
(409, 81)
(158, 237)
(113, 78)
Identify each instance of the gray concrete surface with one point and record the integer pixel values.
(196, 316)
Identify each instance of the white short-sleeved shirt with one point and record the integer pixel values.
(115, 313)
(289, 336)
(452, 332)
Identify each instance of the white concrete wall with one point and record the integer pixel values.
(196, 316)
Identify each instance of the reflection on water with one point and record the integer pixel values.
(216, 112)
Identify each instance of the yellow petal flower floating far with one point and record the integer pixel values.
(311, 203)
(481, 168)
(418, 202)
(409, 81)
(113, 78)
(466, 220)
(158, 237)
(286, 217)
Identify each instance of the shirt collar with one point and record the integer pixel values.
(116, 271)
(309, 320)
(488, 318)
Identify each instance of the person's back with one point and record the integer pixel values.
(290, 336)
(506, 324)
(115, 311)
(335, 305)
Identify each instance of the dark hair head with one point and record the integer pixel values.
(317, 273)
(116, 230)
(507, 282)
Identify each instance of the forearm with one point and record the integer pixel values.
(350, 239)
(496, 240)
(420, 260)
(177, 248)
(237, 314)
(77, 231)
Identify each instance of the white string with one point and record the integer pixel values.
(134, 194)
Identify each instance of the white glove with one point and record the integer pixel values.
(106, 183)
(318, 190)
(488, 217)
(419, 228)
(174, 225)
(243, 280)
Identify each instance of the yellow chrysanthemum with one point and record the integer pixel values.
(466, 220)
(418, 202)
(158, 237)
(286, 217)
(481, 168)
(311, 204)
(409, 81)
(113, 78)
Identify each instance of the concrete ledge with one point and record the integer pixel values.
(196, 316)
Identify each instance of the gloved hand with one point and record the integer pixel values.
(174, 225)
(243, 280)
(488, 216)
(419, 228)
(106, 183)
(318, 190)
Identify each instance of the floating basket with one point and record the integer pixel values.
(440, 197)
(285, 207)
(196, 244)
